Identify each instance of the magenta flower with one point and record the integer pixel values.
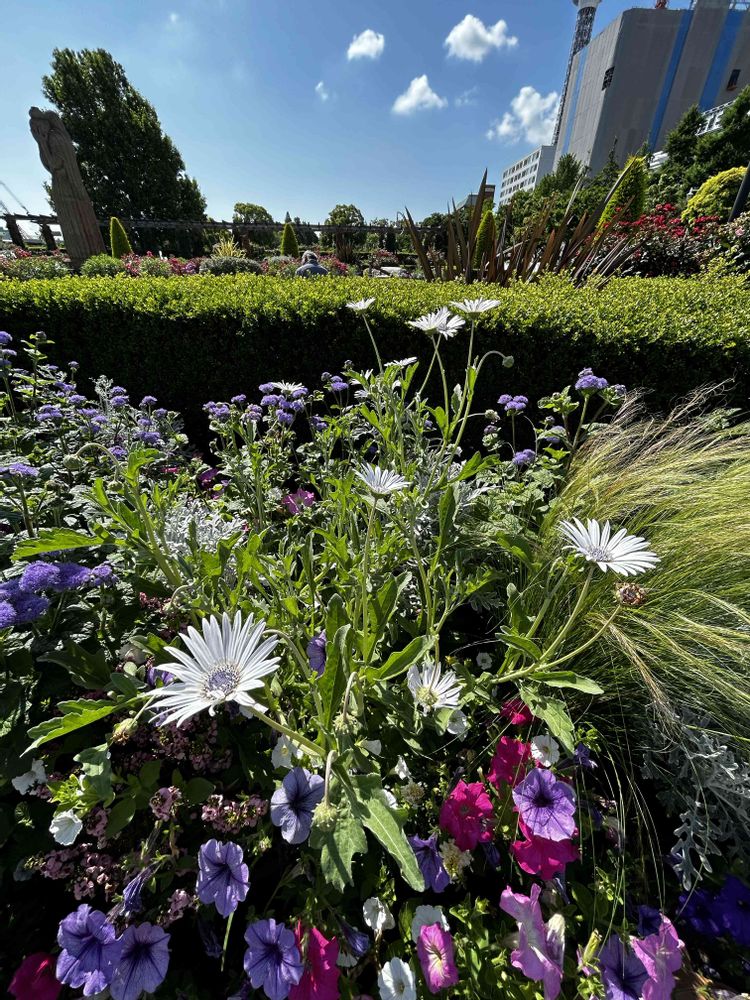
(509, 762)
(538, 856)
(34, 979)
(661, 955)
(516, 712)
(435, 951)
(321, 976)
(222, 876)
(295, 503)
(546, 805)
(539, 951)
(467, 815)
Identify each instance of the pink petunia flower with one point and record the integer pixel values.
(467, 815)
(295, 503)
(35, 979)
(542, 857)
(661, 955)
(509, 762)
(435, 951)
(321, 976)
(539, 954)
(517, 712)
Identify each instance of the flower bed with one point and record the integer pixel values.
(355, 712)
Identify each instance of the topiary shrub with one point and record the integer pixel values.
(102, 266)
(289, 246)
(629, 200)
(155, 267)
(486, 235)
(119, 243)
(715, 196)
(230, 265)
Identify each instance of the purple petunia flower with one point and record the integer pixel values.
(316, 652)
(358, 941)
(588, 382)
(623, 973)
(131, 894)
(293, 804)
(90, 950)
(546, 805)
(272, 960)
(732, 907)
(523, 458)
(698, 910)
(430, 862)
(143, 962)
(649, 920)
(19, 469)
(222, 876)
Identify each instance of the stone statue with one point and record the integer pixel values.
(75, 212)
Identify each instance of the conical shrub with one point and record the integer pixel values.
(118, 239)
(289, 245)
(486, 236)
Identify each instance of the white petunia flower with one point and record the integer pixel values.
(430, 690)
(381, 482)
(440, 321)
(426, 916)
(396, 981)
(361, 306)
(476, 306)
(545, 750)
(390, 798)
(484, 661)
(624, 554)
(36, 775)
(402, 769)
(458, 724)
(223, 665)
(65, 827)
(285, 753)
(377, 915)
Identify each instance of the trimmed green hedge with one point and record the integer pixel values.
(187, 340)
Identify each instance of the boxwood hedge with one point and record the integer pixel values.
(186, 340)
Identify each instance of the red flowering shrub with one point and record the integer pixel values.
(665, 245)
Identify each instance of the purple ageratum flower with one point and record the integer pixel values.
(732, 908)
(118, 390)
(317, 423)
(546, 805)
(316, 652)
(271, 399)
(524, 458)
(59, 577)
(222, 876)
(90, 950)
(118, 452)
(73, 365)
(698, 910)
(293, 804)
(287, 419)
(143, 964)
(150, 438)
(8, 615)
(48, 412)
(118, 402)
(160, 413)
(76, 399)
(300, 393)
(5, 338)
(623, 973)
(239, 400)
(272, 960)
(338, 385)
(266, 387)
(147, 401)
(430, 862)
(19, 470)
(588, 382)
(253, 413)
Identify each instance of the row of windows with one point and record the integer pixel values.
(523, 165)
(734, 77)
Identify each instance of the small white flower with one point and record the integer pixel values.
(361, 306)
(36, 775)
(430, 690)
(390, 798)
(65, 827)
(624, 554)
(545, 750)
(426, 916)
(381, 482)
(484, 661)
(396, 981)
(476, 306)
(458, 724)
(440, 321)
(454, 859)
(404, 363)
(373, 746)
(377, 915)
(402, 769)
(285, 753)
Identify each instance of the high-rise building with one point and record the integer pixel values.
(581, 38)
(525, 174)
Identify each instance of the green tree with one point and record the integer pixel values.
(669, 184)
(306, 235)
(345, 215)
(726, 148)
(119, 244)
(716, 196)
(131, 169)
(250, 213)
(289, 245)
(629, 200)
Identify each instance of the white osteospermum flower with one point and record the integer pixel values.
(458, 724)
(377, 915)
(426, 916)
(403, 363)
(285, 753)
(440, 321)
(431, 690)
(545, 750)
(362, 305)
(65, 827)
(223, 665)
(396, 981)
(624, 554)
(381, 482)
(476, 306)
(36, 775)
(289, 388)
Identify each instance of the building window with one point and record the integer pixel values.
(608, 77)
(733, 78)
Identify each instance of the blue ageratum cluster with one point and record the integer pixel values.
(23, 599)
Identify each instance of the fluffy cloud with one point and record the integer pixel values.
(473, 39)
(367, 45)
(320, 90)
(468, 97)
(531, 117)
(418, 96)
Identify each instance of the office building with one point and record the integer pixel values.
(525, 174)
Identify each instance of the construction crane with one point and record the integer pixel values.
(15, 198)
(661, 4)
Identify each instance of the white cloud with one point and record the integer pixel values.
(468, 97)
(473, 39)
(418, 96)
(531, 117)
(367, 45)
(320, 90)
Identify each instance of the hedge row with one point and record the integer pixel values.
(187, 340)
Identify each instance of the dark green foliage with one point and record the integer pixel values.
(486, 236)
(629, 200)
(119, 244)
(102, 266)
(155, 267)
(669, 184)
(716, 196)
(344, 215)
(249, 212)
(230, 265)
(289, 245)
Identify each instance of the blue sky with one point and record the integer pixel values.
(270, 102)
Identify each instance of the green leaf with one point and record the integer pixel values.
(53, 540)
(526, 645)
(339, 846)
(149, 773)
(121, 815)
(377, 816)
(398, 662)
(552, 711)
(381, 607)
(197, 790)
(76, 715)
(568, 679)
(332, 684)
(517, 546)
(96, 767)
(87, 670)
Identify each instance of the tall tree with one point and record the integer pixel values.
(131, 169)
(726, 148)
(249, 212)
(345, 215)
(670, 183)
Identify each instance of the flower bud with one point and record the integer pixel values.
(324, 816)
(124, 730)
(508, 361)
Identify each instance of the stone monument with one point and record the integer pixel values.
(75, 212)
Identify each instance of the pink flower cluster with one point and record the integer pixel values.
(467, 815)
(179, 901)
(164, 803)
(232, 816)
(97, 870)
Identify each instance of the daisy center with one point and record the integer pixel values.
(223, 680)
(599, 554)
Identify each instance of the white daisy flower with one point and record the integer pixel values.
(65, 827)
(458, 724)
(288, 388)
(223, 665)
(381, 482)
(285, 753)
(403, 363)
(36, 775)
(396, 981)
(545, 750)
(440, 321)
(361, 306)
(484, 661)
(476, 306)
(624, 554)
(377, 915)
(430, 689)
(426, 916)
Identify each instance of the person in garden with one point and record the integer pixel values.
(310, 266)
